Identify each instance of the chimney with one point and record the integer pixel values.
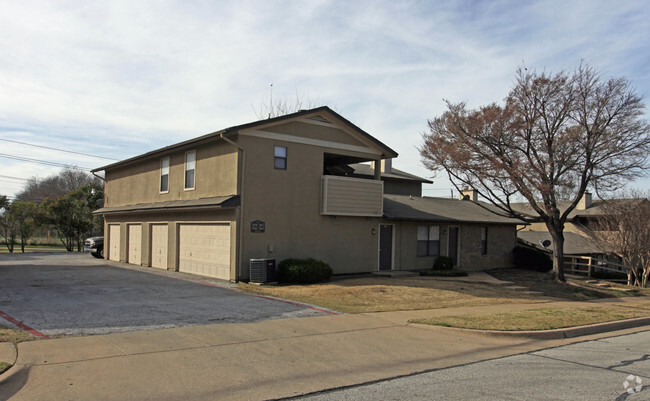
(469, 194)
(585, 201)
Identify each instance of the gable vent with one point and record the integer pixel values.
(319, 119)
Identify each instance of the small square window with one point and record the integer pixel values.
(280, 160)
(190, 168)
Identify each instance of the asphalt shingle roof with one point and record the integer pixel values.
(220, 201)
(574, 244)
(399, 207)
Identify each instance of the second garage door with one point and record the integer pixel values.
(135, 243)
(204, 249)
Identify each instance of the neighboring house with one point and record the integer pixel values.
(579, 249)
(290, 186)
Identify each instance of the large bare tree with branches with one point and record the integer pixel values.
(555, 135)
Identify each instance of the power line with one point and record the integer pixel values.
(58, 150)
(14, 178)
(44, 162)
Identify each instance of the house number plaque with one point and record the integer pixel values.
(258, 226)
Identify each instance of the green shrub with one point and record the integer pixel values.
(443, 273)
(532, 259)
(303, 271)
(443, 263)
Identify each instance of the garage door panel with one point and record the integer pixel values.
(135, 244)
(159, 241)
(204, 249)
(114, 242)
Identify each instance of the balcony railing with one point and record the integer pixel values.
(343, 196)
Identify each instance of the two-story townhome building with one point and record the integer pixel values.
(307, 184)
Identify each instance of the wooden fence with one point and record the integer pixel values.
(587, 265)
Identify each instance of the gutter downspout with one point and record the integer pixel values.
(240, 247)
(98, 176)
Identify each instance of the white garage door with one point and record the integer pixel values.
(135, 243)
(159, 246)
(204, 249)
(114, 242)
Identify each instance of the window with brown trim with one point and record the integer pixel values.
(190, 169)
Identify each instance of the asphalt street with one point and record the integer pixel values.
(616, 368)
(75, 294)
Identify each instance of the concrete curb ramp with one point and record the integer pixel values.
(8, 353)
(569, 332)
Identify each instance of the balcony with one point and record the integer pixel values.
(343, 196)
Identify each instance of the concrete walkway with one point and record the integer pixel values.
(253, 361)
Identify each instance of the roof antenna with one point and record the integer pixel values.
(271, 102)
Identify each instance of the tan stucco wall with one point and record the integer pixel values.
(215, 175)
(569, 227)
(501, 242)
(288, 201)
(172, 220)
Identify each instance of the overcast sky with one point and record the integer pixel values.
(120, 78)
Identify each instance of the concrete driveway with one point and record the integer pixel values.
(75, 294)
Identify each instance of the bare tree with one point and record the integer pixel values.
(284, 106)
(623, 230)
(35, 190)
(555, 135)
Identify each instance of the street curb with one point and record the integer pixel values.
(569, 332)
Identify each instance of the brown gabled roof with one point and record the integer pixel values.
(399, 207)
(389, 153)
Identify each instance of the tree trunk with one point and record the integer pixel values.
(558, 253)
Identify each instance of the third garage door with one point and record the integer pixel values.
(204, 249)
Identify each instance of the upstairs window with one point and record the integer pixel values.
(190, 167)
(428, 241)
(280, 160)
(164, 175)
(484, 236)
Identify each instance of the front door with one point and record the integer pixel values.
(385, 247)
(452, 250)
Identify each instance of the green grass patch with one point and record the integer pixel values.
(537, 319)
(4, 366)
(8, 335)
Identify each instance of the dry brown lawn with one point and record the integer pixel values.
(538, 319)
(380, 294)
